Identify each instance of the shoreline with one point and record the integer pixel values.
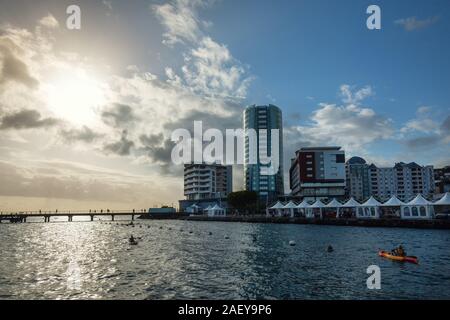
(375, 223)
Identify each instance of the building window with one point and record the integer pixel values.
(423, 212)
(415, 213)
(406, 212)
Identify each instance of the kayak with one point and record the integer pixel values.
(389, 255)
(133, 243)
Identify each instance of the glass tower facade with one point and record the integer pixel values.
(263, 118)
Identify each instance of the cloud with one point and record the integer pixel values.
(82, 183)
(12, 68)
(425, 133)
(118, 115)
(85, 135)
(159, 150)
(49, 21)
(412, 24)
(121, 147)
(210, 69)
(350, 96)
(180, 20)
(26, 119)
(350, 126)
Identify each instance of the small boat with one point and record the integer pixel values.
(389, 255)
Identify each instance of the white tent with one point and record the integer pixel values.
(303, 207)
(369, 209)
(352, 206)
(334, 204)
(418, 208)
(289, 207)
(304, 204)
(206, 210)
(393, 202)
(444, 201)
(276, 208)
(216, 210)
(351, 203)
(391, 208)
(193, 208)
(316, 205)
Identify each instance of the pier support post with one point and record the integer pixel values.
(70, 218)
(112, 217)
(132, 217)
(92, 218)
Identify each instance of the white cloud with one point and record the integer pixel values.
(350, 96)
(180, 20)
(412, 23)
(49, 22)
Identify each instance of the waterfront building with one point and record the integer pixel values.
(205, 185)
(404, 180)
(318, 173)
(263, 118)
(207, 181)
(357, 178)
(442, 180)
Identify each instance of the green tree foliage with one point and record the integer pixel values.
(243, 201)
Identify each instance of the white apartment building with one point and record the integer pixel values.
(207, 181)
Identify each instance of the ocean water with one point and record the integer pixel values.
(182, 260)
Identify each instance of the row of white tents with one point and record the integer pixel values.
(211, 211)
(418, 208)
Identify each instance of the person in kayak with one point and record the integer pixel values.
(399, 251)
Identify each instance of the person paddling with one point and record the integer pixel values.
(399, 251)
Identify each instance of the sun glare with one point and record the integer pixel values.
(75, 97)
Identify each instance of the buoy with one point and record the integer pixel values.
(210, 233)
(190, 232)
(330, 248)
(227, 237)
(292, 243)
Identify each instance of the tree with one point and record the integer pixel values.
(243, 201)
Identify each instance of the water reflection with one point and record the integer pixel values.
(208, 260)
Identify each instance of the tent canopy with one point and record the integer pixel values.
(372, 202)
(444, 201)
(334, 204)
(302, 205)
(317, 204)
(393, 202)
(216, 207)
(351, 203)
(419, 200)
(290, 205)
(277, 205)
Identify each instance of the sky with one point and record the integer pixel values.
(86, 115)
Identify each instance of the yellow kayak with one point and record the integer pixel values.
(390, 256)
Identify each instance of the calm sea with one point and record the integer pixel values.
(182, 260)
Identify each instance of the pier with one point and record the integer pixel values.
(21, 217)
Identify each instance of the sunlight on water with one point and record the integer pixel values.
(180, 259)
